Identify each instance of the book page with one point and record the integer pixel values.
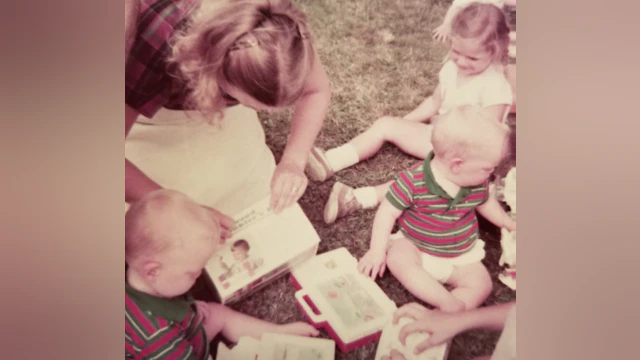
(350, 300)
(297, 352)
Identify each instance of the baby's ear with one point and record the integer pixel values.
(151, 270)
(455, 164)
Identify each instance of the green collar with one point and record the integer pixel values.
(174, 309)
(435, 188)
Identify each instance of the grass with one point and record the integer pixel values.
(370, 78)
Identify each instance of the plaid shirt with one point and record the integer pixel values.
(149, 84)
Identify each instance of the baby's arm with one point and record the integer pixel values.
(373, 262)
(233, 325)
(398, 198)
(492, 211)
(427, 109)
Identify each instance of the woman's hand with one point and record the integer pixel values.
(439, 325)
(287, 185)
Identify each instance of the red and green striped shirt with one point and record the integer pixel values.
(167, 329)
(434, 221)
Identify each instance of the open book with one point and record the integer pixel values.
(278, 347)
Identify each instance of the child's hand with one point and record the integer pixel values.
(373, 263)
(227, 224)
(441, 33)
(298, 328)
(203, 310)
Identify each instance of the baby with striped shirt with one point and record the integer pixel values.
(169, 238)
(434, 204)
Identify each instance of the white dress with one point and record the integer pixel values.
(227, 168)
(489, 88)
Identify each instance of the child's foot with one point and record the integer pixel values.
(342, 202)
(299, 328)
(318, 168)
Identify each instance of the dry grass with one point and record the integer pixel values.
(370, 78)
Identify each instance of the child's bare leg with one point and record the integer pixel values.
(405, 263)
(411, 137)
(472, 284)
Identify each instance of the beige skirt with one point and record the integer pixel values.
(227, 167)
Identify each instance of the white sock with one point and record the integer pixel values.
(342, 157)
(366, 196)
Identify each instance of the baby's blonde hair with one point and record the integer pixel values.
(261, 47)
(466, 131)
(488, 24)
(146, 222)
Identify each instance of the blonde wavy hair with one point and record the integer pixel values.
(261, 47)
(488, 24)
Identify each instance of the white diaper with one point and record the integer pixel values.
(441, 268)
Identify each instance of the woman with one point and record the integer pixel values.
(188, 65)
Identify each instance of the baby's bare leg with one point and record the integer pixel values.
(472, 284)
(405, 263)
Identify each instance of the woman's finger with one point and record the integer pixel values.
(414, 327)
(277, 188)
(286, 195)
(425, 344)
(374, 271)
(293, 192)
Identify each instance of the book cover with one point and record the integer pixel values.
(263, 247)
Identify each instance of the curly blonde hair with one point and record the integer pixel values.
(488, 24)
(261, 47)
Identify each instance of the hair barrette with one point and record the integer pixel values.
(244, 44)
